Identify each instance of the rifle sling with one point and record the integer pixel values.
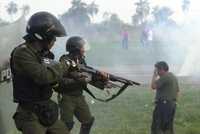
(108, 99)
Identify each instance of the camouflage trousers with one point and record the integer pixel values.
(163, 117)
(27, 122)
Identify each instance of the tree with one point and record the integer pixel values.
(25, 9)
(92, 9)
(12, 9)
(106, 15)
(135, 19)
(80, 13)
(185, 5)
(112, 22)
(115, 20)
(142, 11)
(162, 15)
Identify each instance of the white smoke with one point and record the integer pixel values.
(11, 36)
(181, 45)
(191, 65)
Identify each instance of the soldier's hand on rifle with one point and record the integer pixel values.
(81, 77)
(84, 80)
(103, 75)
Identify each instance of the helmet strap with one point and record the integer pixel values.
(38, 36)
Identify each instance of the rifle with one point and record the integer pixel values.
(111, 77)
(108, 83)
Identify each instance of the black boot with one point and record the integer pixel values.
(86, 127)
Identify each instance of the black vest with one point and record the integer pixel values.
(25, 90)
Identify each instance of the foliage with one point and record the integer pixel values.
(185, 5)
(162, 14)
(26, 9)
(80, 14)
(142, 11)
(12, 9)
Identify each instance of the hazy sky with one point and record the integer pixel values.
(124, 8)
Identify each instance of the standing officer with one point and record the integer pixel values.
(167, 88)
(35, 74)
(73, 102)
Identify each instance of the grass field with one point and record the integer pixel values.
(131, 112)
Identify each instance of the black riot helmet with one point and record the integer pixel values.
(75, 43)
(44, 26)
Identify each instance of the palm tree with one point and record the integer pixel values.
(185, 5)
(162, 15)
(12, 9)
(142, 11)
(92, 9)
(80, 13)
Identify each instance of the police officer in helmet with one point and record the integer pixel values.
(73, 102)
(35, 74)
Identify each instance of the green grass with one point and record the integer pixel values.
(131, 112)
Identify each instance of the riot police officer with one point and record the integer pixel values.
(35, 73)
(73, 102)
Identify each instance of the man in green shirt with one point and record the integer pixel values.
(167, 88)
(35, 73)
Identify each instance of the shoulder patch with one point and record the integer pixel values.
(46, 61)
(63, 57)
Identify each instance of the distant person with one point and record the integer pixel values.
(35, 74)
(146, 37)
(166, 85)
(125, 39)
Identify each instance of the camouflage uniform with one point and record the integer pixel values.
(165, 104)
(73, 102)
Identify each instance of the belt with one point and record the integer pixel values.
(164, 101)
(31, 106)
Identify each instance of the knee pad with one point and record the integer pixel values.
(69, 125)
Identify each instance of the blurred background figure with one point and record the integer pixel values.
(125, 39)
(146, 36)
